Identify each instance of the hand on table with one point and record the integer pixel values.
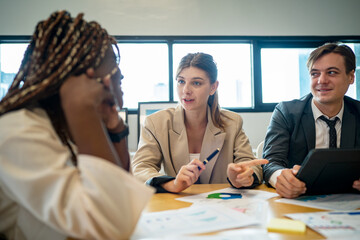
(241, 174)
(287, 185)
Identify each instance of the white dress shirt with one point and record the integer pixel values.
(322, 129)
(321, 134)
(43, 196)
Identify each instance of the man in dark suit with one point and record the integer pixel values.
(300, 125)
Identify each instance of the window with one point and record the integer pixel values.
(146, 75)
(354, 89)
(284, 73)
(11, 56)
(254, 73)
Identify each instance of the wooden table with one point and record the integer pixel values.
(166, 201)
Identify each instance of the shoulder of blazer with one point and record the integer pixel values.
(163, 114)
(232, 120)
(230, 114)
(352, 104)
(295, 107)
(160, 118)
(170, 118)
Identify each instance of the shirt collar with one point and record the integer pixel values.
(317, 113)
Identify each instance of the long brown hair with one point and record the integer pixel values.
(206, 63)
(61, 46)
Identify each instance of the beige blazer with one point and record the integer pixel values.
(163, 139)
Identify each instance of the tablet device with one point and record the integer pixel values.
(327, 171)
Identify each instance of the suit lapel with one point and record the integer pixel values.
(179, 148)
(308, 124)
(213, 139)
(347, 139)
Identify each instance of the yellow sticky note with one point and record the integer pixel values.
(286, 226)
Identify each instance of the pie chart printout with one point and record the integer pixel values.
(225, 196)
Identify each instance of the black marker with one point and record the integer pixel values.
(210, 157)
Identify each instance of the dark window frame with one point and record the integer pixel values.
(257, 43)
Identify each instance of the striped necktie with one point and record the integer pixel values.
(332, 131)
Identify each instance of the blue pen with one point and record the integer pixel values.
(349, 213)
(210, 157)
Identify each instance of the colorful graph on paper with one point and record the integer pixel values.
(331, 224)
(228, 194)
(190, 220)
(336, 202)
(225, 196)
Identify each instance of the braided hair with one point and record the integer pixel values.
(61, 46)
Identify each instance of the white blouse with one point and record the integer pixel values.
(193, 156)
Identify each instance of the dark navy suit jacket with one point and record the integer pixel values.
(291, 133)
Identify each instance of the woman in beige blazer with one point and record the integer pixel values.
(181, 138)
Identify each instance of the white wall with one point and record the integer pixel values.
(255, 126)
(195, 17)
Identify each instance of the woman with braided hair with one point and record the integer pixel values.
(63, 154)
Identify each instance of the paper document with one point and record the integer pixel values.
(227, 194)
(190, 220)
(252, 208)
(339, 202)
(344, 225)
(238, 234)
